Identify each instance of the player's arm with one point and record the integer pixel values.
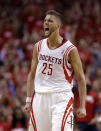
(31, 78)
(31, 75)
(78, 70)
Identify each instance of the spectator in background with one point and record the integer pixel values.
(2, 68)
(22, 69)
(98, 118)
(19, 121)
(96, 83)
(92, 106)
(96, 58)
(83, 49)
(4, 126)
(6, 91)
(98, 123)
(21, 94)
(11, 54)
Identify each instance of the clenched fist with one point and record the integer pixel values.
(27, 107)
(81, 112)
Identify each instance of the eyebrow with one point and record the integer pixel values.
(48, 19)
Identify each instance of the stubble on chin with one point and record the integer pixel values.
(46, 35)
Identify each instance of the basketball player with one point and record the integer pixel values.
(50, 80)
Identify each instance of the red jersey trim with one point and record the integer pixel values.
(68, 78)
(65, 116)
(65, 56)
(65, 66)
(39, 46)
(32, 116)
(57, 46)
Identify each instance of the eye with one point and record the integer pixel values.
(44, 20)
(50, 20)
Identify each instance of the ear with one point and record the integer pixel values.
(59, 25)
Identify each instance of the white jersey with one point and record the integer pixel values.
(54, 72)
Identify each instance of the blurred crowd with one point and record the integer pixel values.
(21, 26)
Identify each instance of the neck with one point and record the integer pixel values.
(55, 39)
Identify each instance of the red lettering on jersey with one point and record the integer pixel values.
(59, 61)
(50, 59)
(46, 59)
(53, 58)
(48, 67)
(43, 57)
(45, 66)
(56, 60)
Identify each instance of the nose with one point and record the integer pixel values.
(46, 22)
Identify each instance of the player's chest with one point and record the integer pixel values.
(51, 56)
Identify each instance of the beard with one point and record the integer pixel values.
(49, 32)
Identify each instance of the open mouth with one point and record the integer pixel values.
(46, 29)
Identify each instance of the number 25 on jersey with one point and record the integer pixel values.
(47, 69)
